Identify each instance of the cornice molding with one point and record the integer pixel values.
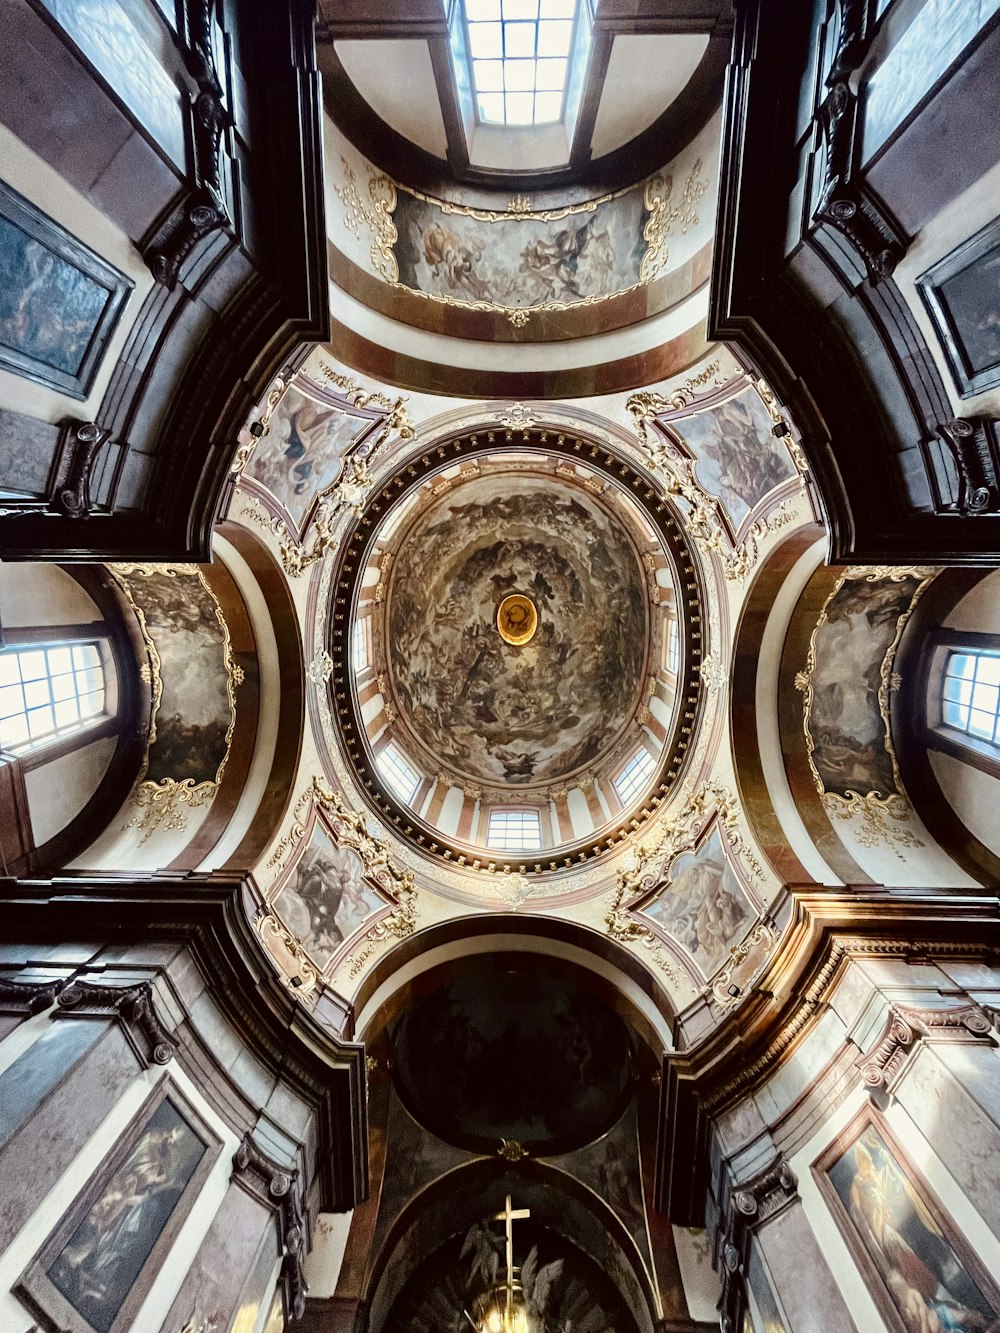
(905, 1026)
(206, 913)
(828, 929)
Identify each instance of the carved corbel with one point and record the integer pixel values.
(975, 447)
(205, 211)
(84, 438)
(906, 1025)
(753, 1202)
(280, 1188)
(133, 1007)
(843, 203)
(28, 997)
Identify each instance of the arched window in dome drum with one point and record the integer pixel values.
(399, 775)
(634, 776)
(514, 831)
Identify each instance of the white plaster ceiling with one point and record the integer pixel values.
(646, 72)
(396, 79)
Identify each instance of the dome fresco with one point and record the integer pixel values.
(499, 713)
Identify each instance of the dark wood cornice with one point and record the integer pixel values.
(827, 930)
(207, 914)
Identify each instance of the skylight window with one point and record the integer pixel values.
(520, 52)
(514, 831)
(673, 647)
(634, 776)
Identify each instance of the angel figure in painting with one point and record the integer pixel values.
(929, 1286)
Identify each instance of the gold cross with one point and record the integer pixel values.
(508, 1218)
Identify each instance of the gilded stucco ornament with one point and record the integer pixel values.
(651, 872)
(350, 829)
(704, 520)
(349, 493)
(879, 815)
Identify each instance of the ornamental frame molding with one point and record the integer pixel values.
(348, 828)
(164, 804)
(881, 813)
(711, 806)
(371, 210)
(299, 548)
(707, 520)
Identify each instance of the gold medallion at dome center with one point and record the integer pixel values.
(517, 619)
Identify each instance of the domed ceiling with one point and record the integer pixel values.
(500, 712)
(510, 637)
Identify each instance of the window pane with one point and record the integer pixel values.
(40, 720)
(959, 690)
(92, 704)
(634, 776)
(955, 715)
(482, 9)
(520, 9)
(485, 40)
(981, 724)
(491, 108)
(552, 75)
(985, 697)
(548, 108)
(32, 665)
(60, 660)
(14, 731)
(489, 76)
(553, 38)
(64, 687)
(988, 670)
(67, 712)
(960, 664)
(398, 774)
(9, 670)
(520, 108)
(519, 75)
(11, 700)
(514, 830)
(36, 692)
(557, 9)
(518, 40)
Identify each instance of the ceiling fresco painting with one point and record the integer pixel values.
(492, 711)
(704, 906)
(738, 457)
(326, 898)
(302, 453)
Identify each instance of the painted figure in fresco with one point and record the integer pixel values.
(453, 263)
(928, 1284)
(102, 1259)
(48, 308)
(558, 265)
(326, 899)
(747, 459)
(703, 907)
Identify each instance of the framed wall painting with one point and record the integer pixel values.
(96, 1268)
(919, 1269)
(59, 301)
(962, 296)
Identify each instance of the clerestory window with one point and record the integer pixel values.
(634, 776)
(398, 773)
(520, 53)
(48, 691)
(514, 831)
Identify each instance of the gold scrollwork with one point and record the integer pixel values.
(263, 424)
(350, 829)
(758, 947)
(664, 215)
(876, 815)
(653, 865)
(374, 212)
(164, 804)
(704, 520)
(270, 927)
